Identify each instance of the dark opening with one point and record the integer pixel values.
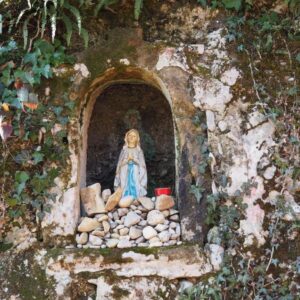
(119, 108)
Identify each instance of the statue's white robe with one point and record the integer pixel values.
(140, 171)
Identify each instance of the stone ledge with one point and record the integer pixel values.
(60, 273)
(169, 262)
(101, 265)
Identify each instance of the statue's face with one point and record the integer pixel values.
(132, 139)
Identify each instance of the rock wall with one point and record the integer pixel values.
(224, 144)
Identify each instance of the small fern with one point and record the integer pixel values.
(46, 15)
(138, 5)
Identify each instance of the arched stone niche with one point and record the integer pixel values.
(119, 108)
(173, 85)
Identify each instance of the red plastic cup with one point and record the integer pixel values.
(162, 191)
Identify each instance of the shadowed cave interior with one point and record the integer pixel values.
(121, 107)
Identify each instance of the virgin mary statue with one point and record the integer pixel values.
(131, 173)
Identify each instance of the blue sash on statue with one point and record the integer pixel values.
(131, 185)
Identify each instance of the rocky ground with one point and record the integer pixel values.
(127, 222)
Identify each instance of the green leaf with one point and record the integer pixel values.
(25, 32)
(138, 4)
(69, 28)
(293, 91)
(46, 71)
(44, 47)
(29, 78)
(76, 13)
(298, 57)
(12, 202)
(22, 13)
(53, 173)
(37, 157)
(53, 25)
(39, 184)
(30, 58)
(1, 23)
(21, 176)
(23, 157)
(202, 2)
(57, 110)
(236, 4)
(85, 35)
(43, 24)
(197, 191)
(99, 6)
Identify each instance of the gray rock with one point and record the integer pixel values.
(143, 223)
(106, 194)
(99, 233)
(123, 231)
(126, 201)
(91, 200)
(135, 232)
(174, 236)
(113, 225)
(113, 200)
(149, 232)
(120, 226)
(164, 202)
(156, 244)
(116, 216)
(106, 226)
(155, 217)
(166, 213)
(82, 238)
(88, 224)
(142, 208)
(95, 240)
(102, 218)
(161, 227)
(124, 243)
(131, 219)
(140, 240)
(155, 239)
(164, 236)
(174, 218)
(146, 203)
(112, 243)
(173, 225)
(122, 212)
(172, 242)
(173, 212)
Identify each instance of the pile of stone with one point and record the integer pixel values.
(113, 221)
